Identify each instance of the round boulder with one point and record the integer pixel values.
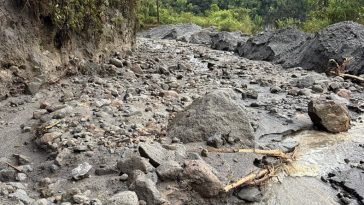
(329, 115)
(214, 113)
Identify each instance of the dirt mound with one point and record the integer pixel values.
(344, 40)
(203, 37)
(32, 52)
(175, 32)
(272, 46)
(214, 113)
(227, 41)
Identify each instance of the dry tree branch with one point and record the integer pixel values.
(249, 178)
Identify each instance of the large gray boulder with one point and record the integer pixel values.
(343, 42)
(203, 37)
(214, 113)
(227, 41)
(173, 32)
(338, 41)
(272, 46)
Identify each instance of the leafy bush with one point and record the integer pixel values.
(288, 22)
(84, 17)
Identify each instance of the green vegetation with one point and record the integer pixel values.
(84, 17)
(250, 16)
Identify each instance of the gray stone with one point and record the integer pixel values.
(124, 198)
(21, 195)
(169, 170)
(155, 153)
(130, 163)
(106, 170)
(81, 171)
(7, 175)
(215, 140)
(41, 202)
(213, 113)
(33, 87)
(116, 62)
(146, 189)
(227, 41)
(250, 194)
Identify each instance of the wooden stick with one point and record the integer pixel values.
(252, 176)
(353, 77)
(14, 167)
(275, 153)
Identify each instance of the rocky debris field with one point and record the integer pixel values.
(142, 127)
(342, 42)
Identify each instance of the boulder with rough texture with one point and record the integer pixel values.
(175, 32)
(214, 113)
(202, 179)
(203, 37)
(329, 115)
(124, 198)
(272, 46)
(338, 41)
(227, 41)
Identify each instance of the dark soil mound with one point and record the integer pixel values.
(272, 46)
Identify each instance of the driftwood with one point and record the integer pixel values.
(352, 77)
(14, 167)
(249, 178)
(259, 176)
(273, 153)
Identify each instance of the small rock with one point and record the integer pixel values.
(137, 69)
(106, 171)
(146, 189)
(275, 89)
(170, 170)
(116, 62)
(41, 202)
(215, 140)
(22, 160)
(202, 179)
(155, 153)
(344, 93)
(169, 94)
(124, 198)
(205, 153)
(81, 171)
(22, 196)
(33, 87)
(80, 199)
(250, 194)
(7, 175)
(21, 177)
(128, 164)
(124, 177)
(39, 113)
